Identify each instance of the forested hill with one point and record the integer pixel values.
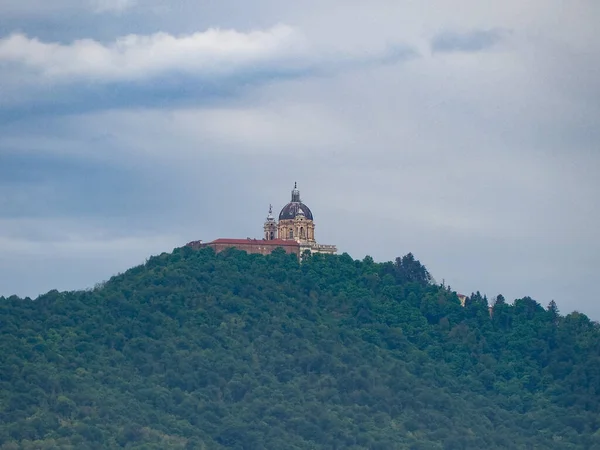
(194, 350)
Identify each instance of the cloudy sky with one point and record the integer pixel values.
(466, 132)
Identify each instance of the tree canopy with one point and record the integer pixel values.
(194, 350)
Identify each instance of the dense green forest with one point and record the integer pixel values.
(194, 350)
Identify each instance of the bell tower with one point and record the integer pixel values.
(270, 227)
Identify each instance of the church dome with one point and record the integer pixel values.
(293, 208)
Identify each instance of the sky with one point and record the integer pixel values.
(465, 132)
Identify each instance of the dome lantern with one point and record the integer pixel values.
(295, 193)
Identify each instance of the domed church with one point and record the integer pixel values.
(295, 224)
(294, 232)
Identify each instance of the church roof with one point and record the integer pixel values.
(292, 209)
(273, 242)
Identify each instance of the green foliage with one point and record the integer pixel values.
(408, 269)
(194, 350)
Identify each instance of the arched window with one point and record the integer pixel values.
(301, 232)
(291, 234)
(272, 235)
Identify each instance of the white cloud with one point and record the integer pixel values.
(212, 52)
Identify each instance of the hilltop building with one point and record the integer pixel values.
(294, 232)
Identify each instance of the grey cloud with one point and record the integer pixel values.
(471, 41)
(42, 8)
(483, 166)
(41, 185)
(115, 6)
(29, 99)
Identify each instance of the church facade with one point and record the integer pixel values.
(295, 223)
(294, 232)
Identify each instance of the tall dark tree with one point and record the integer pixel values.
(410, 270)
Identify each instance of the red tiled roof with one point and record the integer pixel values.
(274, 242)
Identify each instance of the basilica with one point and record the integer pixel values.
(294, 232)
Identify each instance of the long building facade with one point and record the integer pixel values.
(294, 232)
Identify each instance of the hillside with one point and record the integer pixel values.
(194, 350)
